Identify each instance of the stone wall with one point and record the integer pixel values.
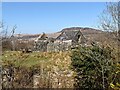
(41, 45)
(54, 73)
(59, 79)
(59, 45)
(17, 78)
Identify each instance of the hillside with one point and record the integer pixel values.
(59, 69)
(90, 34)
(96, 35)
(85, 31)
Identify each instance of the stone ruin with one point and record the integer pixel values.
(61, 41)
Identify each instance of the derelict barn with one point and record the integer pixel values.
(61, 41)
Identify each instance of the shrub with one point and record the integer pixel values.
(94, 66)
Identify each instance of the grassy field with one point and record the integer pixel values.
(54, 67)
(35, 58)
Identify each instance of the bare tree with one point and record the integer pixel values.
(13, 38)
(7, 36)
(109, 19)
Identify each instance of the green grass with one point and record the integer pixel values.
(52, 66)
(35, 58)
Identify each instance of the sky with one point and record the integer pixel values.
(49, 17)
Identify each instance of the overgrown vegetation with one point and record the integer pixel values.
(92, 67)
(37, 69)
(96, 67)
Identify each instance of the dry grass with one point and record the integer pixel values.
(54, 67)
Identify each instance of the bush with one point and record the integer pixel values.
(94, 66)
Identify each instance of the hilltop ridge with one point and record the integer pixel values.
(85, 31)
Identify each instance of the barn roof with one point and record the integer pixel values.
(49, 36)
(68, 34)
